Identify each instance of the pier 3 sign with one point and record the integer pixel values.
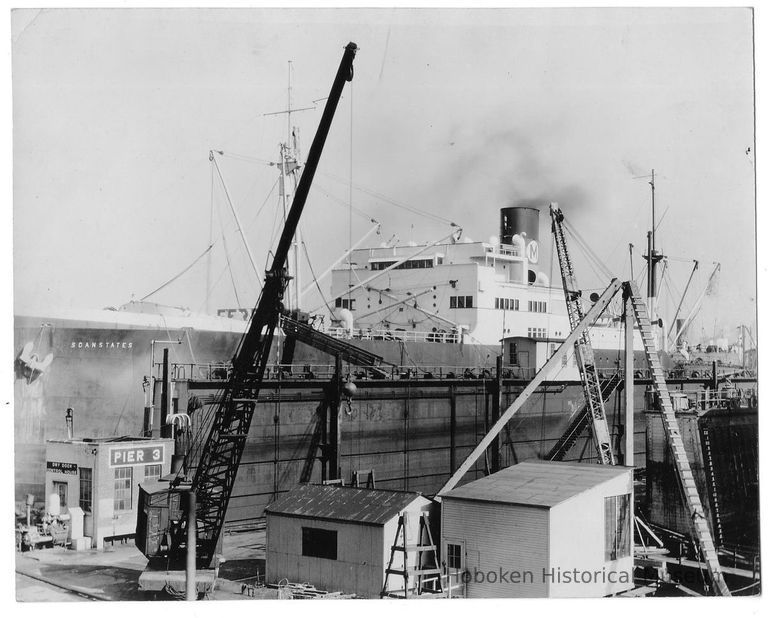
(136, 455)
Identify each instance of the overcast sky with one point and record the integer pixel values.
(454, 112)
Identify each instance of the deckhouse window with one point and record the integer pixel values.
(508, 304)
(345, 303)
(408, 264)
(461, 302)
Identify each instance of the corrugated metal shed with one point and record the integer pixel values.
(333, 502)
(537, 483)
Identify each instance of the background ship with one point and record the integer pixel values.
(99, 362)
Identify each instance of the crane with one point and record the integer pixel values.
(585, 356)
(220, 457)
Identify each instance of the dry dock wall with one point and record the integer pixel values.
(405, 437)
(721, 445)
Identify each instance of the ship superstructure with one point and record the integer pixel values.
(493, 294)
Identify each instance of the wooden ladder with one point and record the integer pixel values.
(672, 430)
(368, 475)
(426, 553)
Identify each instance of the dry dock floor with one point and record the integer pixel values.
(112, 574)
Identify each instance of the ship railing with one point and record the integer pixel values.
(179, 372)
(219, 371)
(508, 250)
(393, 334)
(324, 372)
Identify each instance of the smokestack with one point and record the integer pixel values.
(523, 221)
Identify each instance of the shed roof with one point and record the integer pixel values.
(537, 483)
(353, 504)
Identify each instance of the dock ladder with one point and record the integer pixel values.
(426, 569)
(672, 430)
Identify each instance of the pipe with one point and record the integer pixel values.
(191, 590)
(629, 385)
(165, 397)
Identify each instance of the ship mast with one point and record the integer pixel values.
(653, 257)
(290, 166)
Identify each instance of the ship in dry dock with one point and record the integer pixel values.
(437, 315)
(334, 410)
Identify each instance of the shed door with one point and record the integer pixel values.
(61, 488)
(455, 561)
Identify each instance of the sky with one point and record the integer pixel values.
(453, 112)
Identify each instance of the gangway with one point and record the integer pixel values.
(301, 331)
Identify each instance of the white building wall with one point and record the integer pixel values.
(499, 538)
(577, 541)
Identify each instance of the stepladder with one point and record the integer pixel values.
(413, 561)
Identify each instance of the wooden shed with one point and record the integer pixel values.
(541, 529)
(340, 538)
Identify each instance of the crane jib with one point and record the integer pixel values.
(221, 454)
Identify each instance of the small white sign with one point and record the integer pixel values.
(136, 455)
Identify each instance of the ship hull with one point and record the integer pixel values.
(413, 438)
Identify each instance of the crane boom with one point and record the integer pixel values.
(585, 356)
(220, 456)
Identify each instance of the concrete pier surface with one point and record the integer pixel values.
(112, 574)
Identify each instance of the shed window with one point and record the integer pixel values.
(153, 472)
(617, 528)
(318, 543)
(453, 556)
(123, 488)
(86, 489)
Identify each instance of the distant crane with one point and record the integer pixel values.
(585, 356)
